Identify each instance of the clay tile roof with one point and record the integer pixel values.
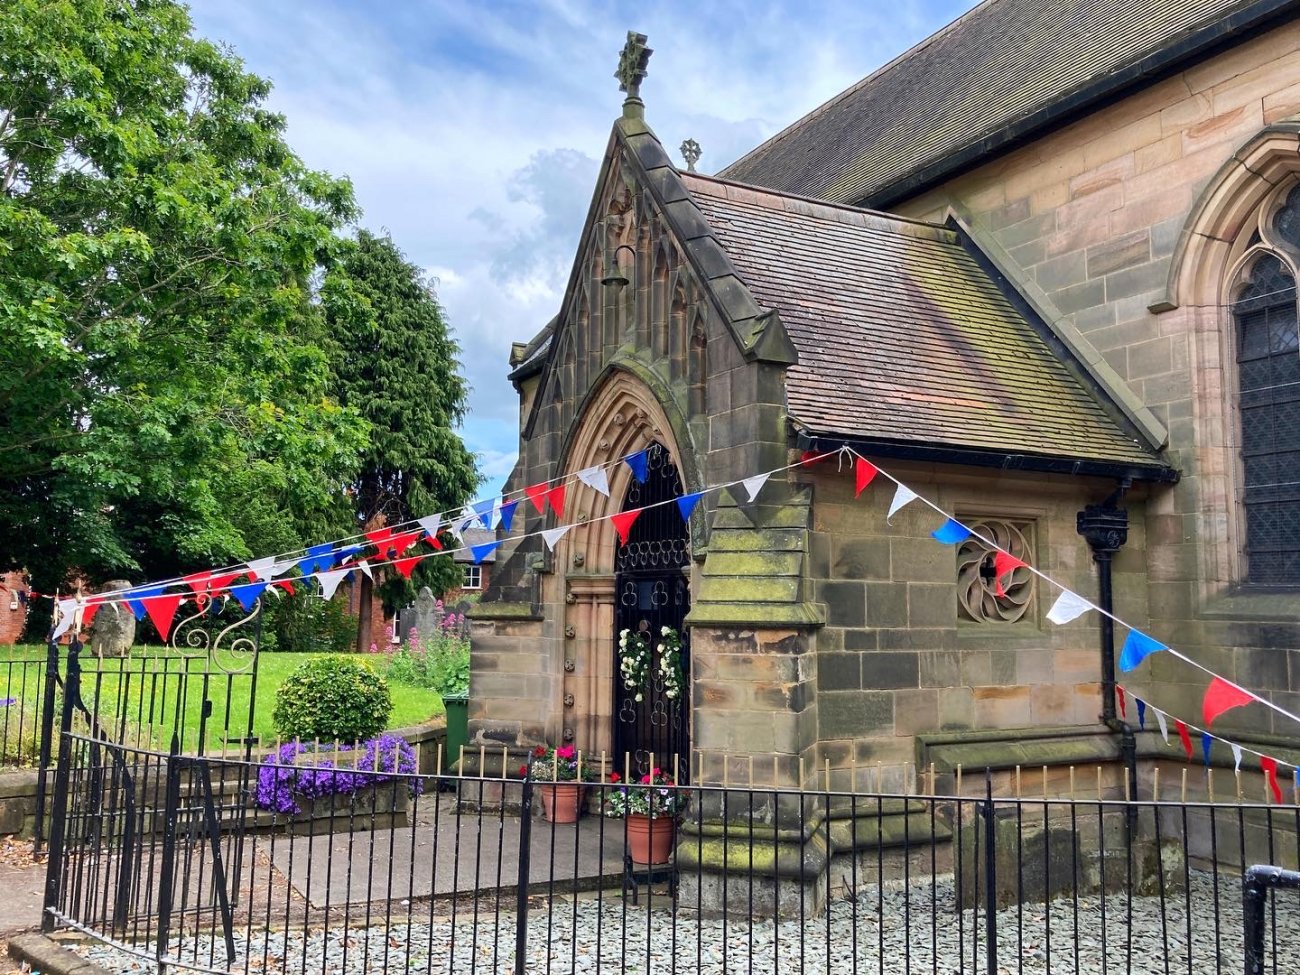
(902, 337)
(1001, 72)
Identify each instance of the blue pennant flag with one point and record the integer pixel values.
(344, 554)
(640, 464)
(247, 593)
(137, 607)
(507, 511)
(1206, 741)
(319, 558)
(687, 502)
(951, 532)
(480, 552)
(1137, 647)
(1142, 713)
(483, 509)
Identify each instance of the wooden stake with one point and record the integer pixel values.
(505, 762)
(1072, 793)
(1184, 784)
(1155, 784)
(959, 779)
(751, 771)
(438, 761)
(482, 760)
(828, 775)
(1209, 782)
(460, 767)
(1017, 781)
(1099, 792)
(1044, 781)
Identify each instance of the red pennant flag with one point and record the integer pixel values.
(1119, 695)
(1185, 737)
(198, 581)
(623, 523)
(555, 498)
(400, 543)
(88, 613)
(1223, 696)
(1003, 563)
(810, 457)
(161, 610)
(377, 535)
(285, 584)
(865, 472)
(1269, 767)
(436, 543)
(537, 494)
(406, 566)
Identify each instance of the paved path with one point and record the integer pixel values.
(22, 883)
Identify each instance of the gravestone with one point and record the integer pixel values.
(424, 616)
(112, 631)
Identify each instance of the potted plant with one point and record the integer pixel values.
(560, 774)
(650, 810)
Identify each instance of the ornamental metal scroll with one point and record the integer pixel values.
(979, 597)
(230, 646)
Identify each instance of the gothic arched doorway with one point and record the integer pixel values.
(651, 591)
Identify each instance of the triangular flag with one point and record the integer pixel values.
(755, 484)
(552, 535)
(319, 557)
(1137, 647)
(951, 532)
(623, 523)
(378, 535)
(864, 473)
(1222, 696)
(201, 581)
(262, 568)
(536, 493)
(594, 478)
(66, 608)
(902, 495)
(282, 567)
(285, 584)
(432, 524)
(1268, 766)
(1004, 563)
(136, 600)
(88, 613)
(1236, 756)
(1119, 696)
(400, 543)
(1164, 728)
(507, 513)
(467, 518)
(555, 498)
(810, 457)
(687, 502)
(247, 593)
(162, 610)
(640, 464)
(1068, 606)
(1142, 712)
(481, 552)
(1207, 741)
(365, 567)
(1184, 737)
(483, 512)
(329, 581)
(406, 566)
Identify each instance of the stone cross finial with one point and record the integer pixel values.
(632, 63)
(691, 153)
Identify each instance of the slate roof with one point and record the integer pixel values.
(902, 337)
(1006, 70)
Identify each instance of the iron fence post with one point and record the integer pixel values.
(1254, 899)
(47, 738)
(990, 877)
(525, 866)
(171, 805)
(62, 773)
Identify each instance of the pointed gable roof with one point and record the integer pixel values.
(902, 338)
(1005, 72)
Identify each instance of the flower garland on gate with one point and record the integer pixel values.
(634, 661)
(670, 663)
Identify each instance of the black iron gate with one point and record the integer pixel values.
(652, 590)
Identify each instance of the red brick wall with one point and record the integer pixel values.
(12, 621)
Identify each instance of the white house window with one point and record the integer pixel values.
(473, 577)
(1268, 397)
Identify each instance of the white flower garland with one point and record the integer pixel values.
(634, 662)
(670, 664)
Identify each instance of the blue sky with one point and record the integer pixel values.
(472, 131)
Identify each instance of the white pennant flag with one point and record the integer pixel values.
(66, 609)
(1068, 606)
(431, 524)
(1236, 756)
(904, 495)
(553, 535)
(329, 581)
(496, 514)
(263, 569)
(1164, 727)
(594, 478)
(755, 484)
(467, 518)
(281, 567)
(365, 567)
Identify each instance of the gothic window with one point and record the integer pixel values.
(1268, 397)
(982, 597)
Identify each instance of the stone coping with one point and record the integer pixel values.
(47, 956)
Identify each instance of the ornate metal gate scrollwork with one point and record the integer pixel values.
(652, 591)
(231, 647)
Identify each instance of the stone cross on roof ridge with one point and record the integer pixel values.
(691, 152)
(632, 61)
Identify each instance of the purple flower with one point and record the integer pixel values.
(281, 782)
(8, 702)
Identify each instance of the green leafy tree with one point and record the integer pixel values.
(165, 395)
(399, 371)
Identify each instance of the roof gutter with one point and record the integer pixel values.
(1154, 473)
(1244, 24)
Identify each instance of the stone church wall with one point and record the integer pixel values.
(1091, 217)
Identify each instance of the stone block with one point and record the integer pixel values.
(1079, 296)
(854, 714)
(861, 558)
(1002, 707)
(939, 668)
(886, 604)
(956, 708)
(884, 669)
(1061, 272)
(1119, 253)
(1023, 231)
(839, 671)
(916, 710)
(862, 639)
(846, 603)
(976, 668)
(931, 605)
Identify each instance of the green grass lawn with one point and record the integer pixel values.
(155, 697)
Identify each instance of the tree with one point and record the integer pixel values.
(400, 372)
(164, 390)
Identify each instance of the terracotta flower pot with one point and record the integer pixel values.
(650, 840)
(561, 801)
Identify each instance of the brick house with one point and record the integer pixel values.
(1041, 267)
(13, 610)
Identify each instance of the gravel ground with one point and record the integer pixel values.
(929, 940)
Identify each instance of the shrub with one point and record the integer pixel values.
(282, 783)
(308, 626)
(332, 698)
(439, 662)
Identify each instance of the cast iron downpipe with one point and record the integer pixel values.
(1105, 528)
